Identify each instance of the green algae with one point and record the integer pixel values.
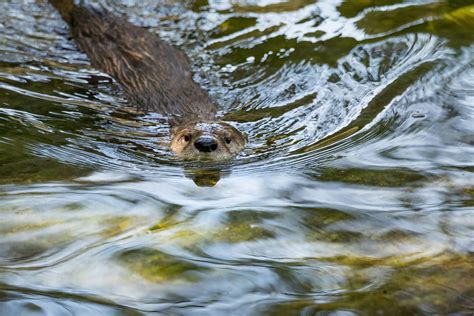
(157, 266)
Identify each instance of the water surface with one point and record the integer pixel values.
(355, 195)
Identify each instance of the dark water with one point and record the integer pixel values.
(355, 195)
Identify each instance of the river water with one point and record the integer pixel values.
(355, 195)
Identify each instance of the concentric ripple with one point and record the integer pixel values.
(354, 195)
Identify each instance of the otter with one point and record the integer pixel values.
(155, 76)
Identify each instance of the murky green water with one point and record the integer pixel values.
(354, 197)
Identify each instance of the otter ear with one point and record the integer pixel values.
(174, 122)
(174, 128)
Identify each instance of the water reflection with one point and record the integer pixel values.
(204, 177)
(146, 243)
(354, 195)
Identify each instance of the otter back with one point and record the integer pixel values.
(155, 76)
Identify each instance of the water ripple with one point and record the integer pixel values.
(354, 195)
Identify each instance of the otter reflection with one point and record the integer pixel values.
(203, 177)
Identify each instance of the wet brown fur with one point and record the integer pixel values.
(155, 75)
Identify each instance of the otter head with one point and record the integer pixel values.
(216, 141)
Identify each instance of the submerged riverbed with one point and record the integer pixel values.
(355, 195)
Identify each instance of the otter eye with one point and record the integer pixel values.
(227, 139)
(187, 137)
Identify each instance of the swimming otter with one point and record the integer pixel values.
(155, 76)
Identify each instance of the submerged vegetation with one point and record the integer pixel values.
(354, 196)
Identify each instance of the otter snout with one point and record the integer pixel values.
(206, 144)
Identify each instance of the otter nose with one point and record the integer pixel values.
(206, 144)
